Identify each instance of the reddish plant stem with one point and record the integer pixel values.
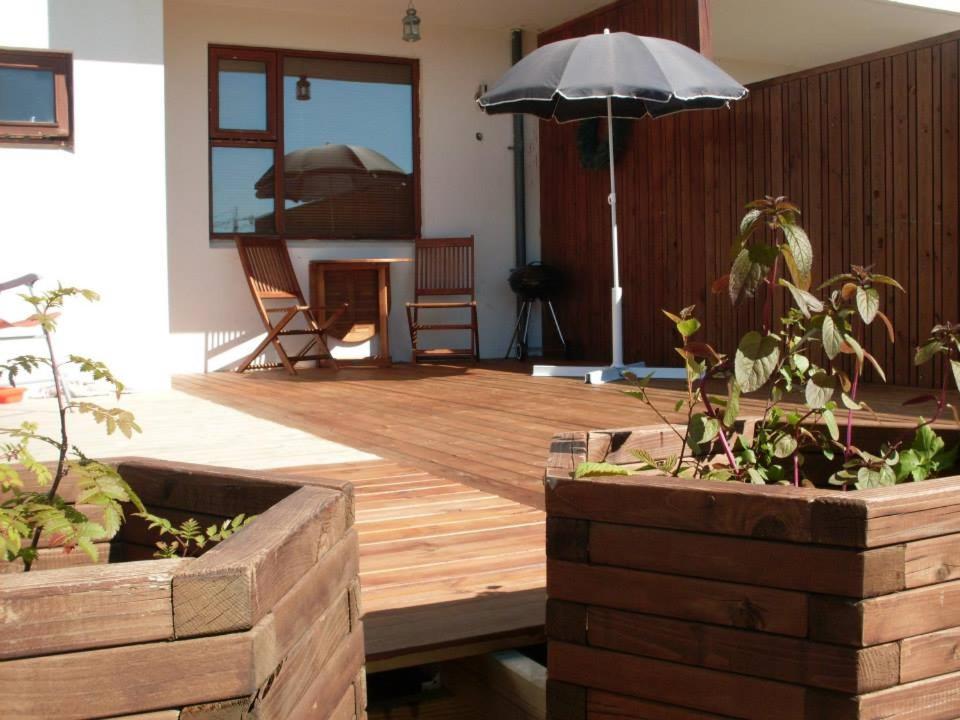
(941, 402)
(796, 453)
(727, 450)
(848, 446)
(768, 298)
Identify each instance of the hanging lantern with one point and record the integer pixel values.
(411, 24)
(303, 88)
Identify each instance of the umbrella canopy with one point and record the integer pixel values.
(573, 79)
(321, 172)
(612, 75)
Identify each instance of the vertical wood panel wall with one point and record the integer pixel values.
(868, 148)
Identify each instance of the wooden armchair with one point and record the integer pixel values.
(270, 276)
(444, 267)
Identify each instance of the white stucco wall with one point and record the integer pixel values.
(94, 215)
(467, 185)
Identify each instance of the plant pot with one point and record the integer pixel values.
(11, 395)
(674, 598)
(263, 625)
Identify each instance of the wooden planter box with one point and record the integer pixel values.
(675, 599)
(263, 625)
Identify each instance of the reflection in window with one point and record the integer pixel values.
(348, 137)
(238, 206)
(242, 86)
(27, 95)
(346, 126)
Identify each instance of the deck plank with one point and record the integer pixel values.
(443, 566)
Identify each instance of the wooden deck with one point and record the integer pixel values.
(446, 570)
(451, 528)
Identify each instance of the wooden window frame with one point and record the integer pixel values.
(59, 132)
(272, 138)
(269, 59)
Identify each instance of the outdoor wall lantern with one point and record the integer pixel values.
(411, 24)
(481, 91)
(303, 88)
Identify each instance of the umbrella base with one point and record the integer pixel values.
(594, 375)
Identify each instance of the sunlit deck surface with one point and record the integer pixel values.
(450, 521)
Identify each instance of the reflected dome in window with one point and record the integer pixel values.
(311, 145)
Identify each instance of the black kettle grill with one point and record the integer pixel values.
(534, 282)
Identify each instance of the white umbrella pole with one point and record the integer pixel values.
(616, 293)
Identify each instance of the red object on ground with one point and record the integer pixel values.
(11, 395)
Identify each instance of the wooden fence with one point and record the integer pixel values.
(867, 147)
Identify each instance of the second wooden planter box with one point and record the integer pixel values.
(264, 625)
(674, 599)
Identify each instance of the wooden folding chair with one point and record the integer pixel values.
(443, 268)
(270, 276)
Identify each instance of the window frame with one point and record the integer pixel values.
(60, 131)
(273, 139)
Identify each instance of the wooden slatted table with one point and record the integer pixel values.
(365, 284)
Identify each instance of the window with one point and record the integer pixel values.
(35, 102)
(313, 145)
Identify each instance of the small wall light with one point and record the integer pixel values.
(303, 88)
(481, 91)
(411, 24)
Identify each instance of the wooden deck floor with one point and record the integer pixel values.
(488, 426)
(446, 570)
(451, 531)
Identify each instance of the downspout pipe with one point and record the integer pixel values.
(519, 177)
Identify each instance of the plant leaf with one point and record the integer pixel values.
(805, 301)
(756, 359)
(747, 224)
(876, 366)
(868, 303)
(688, 327)
(703, 429)
(819, 390)
(785, 446)
(886, 280)
(832, 337)
(745, 277)
(732, 410)
(926, 352)
(802, 253)
(870, 477)
(852, 347)
(926, 441)
(720, 285)
(888, 324)
(830, 420)
(599, 469)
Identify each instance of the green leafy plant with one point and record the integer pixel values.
(188, 538)
(809, 364)
(30, 502)
(926, 457)
(28, 512)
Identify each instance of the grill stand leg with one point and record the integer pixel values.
(526, 330)
(521, 330)
(519, 338)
